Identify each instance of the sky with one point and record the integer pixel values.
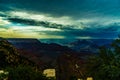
(60, 19)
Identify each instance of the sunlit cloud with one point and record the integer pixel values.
(34, 28)
(81, 23)
(28, 32)
(17, 33)
(3, 22)
(81, 28)
(84, 37)
(65, 20)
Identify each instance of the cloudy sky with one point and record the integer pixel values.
(60, 19)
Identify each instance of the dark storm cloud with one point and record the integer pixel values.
(74, 8)
(94, 31)
(89, 18)
(56, 7)
(85, 34)
(41, 23)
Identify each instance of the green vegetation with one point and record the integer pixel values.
(17, 66)
(106, 65)
(3, 74)
(9, 56)
(24, 73)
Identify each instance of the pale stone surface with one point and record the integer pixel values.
(89, 78)
(49, 72)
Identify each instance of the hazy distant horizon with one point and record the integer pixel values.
(61, 41)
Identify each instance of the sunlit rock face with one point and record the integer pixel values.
(49, 72)
(89, 78)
